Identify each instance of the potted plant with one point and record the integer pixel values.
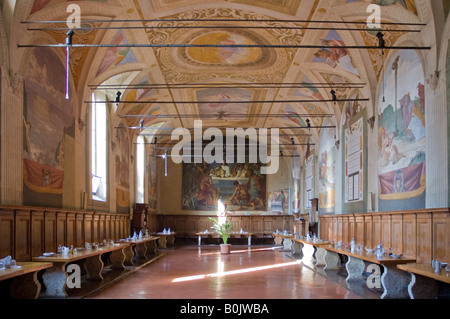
(224, 230)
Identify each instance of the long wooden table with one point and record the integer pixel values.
(24, 284)
(299, 249)
(139, 248)
(423, 280)
(393, 280)
(233, 234)
(55, 278)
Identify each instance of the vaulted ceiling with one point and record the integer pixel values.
(263, 83)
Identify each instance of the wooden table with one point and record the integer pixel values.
(166, 239)
(55, 278)
(423, 280)
(283, 239)
(139, 248)
(24, 284)
(206, 234)
(393, 280)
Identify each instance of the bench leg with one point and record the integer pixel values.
(395, 283)
(422, 287)
(355, 268)
(308, 252)
(320, 256)
(171, 240)
(331, 260)
(297, 249)
(55, 279)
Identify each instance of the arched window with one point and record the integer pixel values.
(99, 150)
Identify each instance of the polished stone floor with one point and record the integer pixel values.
(256, 272)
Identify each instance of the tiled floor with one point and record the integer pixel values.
(259, 272)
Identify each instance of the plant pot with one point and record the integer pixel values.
(225, 248)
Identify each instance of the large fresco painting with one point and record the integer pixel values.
(327, 165)
(401, 135)
(239, 186)
(48, 123)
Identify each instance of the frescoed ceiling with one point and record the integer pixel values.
(177, 85)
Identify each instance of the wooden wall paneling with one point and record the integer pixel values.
(61, 228)
(340, 228)
(368, 231)
(108, 227)
(37, 233)
(50, 241)
(22, 240)
(351, 229)
(440, 236)
(87, 226)
(79, 230)
(122, 226)
(376, 227)
(236, 222)
(95, 228)
(152, 222)
(246, 223)
(71, 229)
(385, 232)
(114, 235)
(289, 222)
(261, 226)
(359, 230)
(424, 226)
(409, 235)
(180, 226)
(192, 226)
(397, 234)
(6, 233)
(101, 227)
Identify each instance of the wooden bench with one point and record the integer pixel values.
(24, 282)
(166, 239)
(423, 280)
(139, 249)
(393, 280)
(55, 277)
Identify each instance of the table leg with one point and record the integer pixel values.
(422, 287)
(141, 251)
(171, 240)
(152, 247)
(25, 287)
(94, 267)
(287, 244)
(394, 282)
(331, 260)
(355, 268)
(249, 240)
(199, 240)
(55, 279)
(297, 249)
(129, 255)
(117, 258)
(278, 240)
(320, 256)
(162, 242)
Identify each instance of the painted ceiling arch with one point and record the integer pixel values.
(232, 66)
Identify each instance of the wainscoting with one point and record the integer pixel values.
(26, 232)
(422, 234)
(260, 225)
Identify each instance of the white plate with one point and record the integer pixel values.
(48, 254)
(396, 256)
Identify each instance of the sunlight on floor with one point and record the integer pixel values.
(222, 273)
